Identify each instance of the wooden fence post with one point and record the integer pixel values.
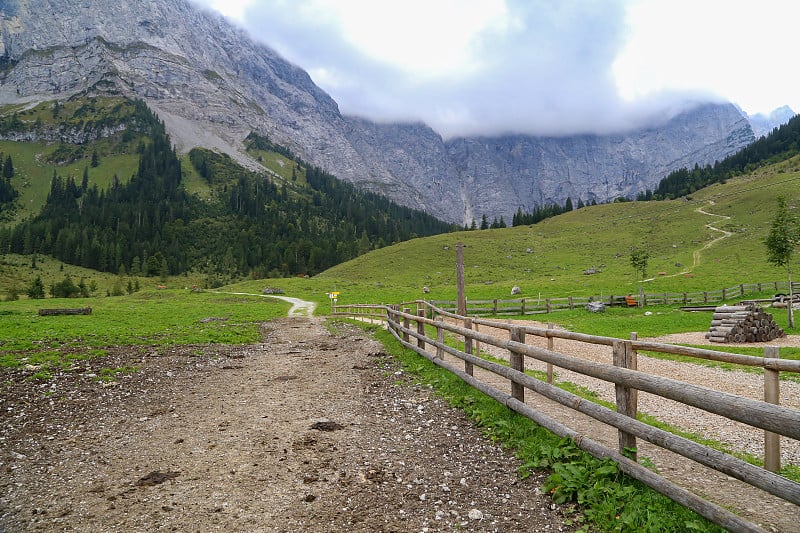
(468, 347)
(517, 362)
(523, 306)
(772, 441)
(421, 329)
(550, 346)
(406, 324)
(634, 365)
(626, 396)
(439, 338)
(549, 309)
(477, 343)
(462, 299)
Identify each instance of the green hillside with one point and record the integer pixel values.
(548, 259)
(294, 219)
(97, 184)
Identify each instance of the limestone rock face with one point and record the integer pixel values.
(763, 124)
(212, 85)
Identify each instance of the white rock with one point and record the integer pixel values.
(475, 514)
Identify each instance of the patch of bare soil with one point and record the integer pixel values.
(306, 431)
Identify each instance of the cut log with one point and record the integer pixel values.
(742, 323)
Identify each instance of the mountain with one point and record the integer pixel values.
(203, 213)
(763, 124)
(213, 85)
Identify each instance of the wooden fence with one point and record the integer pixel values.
(526, 306)
(768, 415)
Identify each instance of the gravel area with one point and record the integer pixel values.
(306, 431)
(756, 505)
(739, 437)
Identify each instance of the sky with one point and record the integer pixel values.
(542, 67)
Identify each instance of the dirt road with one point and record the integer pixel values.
(307, 431)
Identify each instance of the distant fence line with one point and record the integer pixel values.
(427, 337)
(531, 306)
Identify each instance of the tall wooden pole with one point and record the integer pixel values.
(462, 299)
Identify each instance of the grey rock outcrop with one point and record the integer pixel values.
(763, 124)
(212, 85)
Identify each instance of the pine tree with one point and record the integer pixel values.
(36, 289)
(8, 168)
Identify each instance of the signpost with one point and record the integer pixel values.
(334, 296)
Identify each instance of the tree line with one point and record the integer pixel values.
(8, 194)
(781, 144)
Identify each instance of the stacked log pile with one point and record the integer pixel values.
(742, 323)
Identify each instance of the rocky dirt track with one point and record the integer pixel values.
(304, 432)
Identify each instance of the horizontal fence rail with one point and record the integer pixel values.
(413, 331)
(539, 305)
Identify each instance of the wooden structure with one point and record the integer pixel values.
(742, 323)
(78, 311)
(530, 305)
(776, 421)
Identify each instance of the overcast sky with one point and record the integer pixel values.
(545, 67)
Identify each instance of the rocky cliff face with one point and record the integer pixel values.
(212, 85)
(763, 124)
(521, 171)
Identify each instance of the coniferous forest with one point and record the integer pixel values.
(782, 143)
(255, 225)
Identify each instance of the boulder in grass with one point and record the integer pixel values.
(596, 307)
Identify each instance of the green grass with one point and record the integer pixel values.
(160, 318)
(548, 259)
(280, 165)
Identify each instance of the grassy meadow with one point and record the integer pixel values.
(146, 318)
(545, 260)
(549, 259)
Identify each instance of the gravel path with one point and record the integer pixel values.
(306, 431)
(767, 510)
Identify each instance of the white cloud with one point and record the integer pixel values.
(234, 9)
(532, 66)
(739, 51)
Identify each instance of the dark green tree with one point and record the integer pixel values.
(35, 290)
(65, 289)
(8, 168)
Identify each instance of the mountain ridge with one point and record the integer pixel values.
(212, 85)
